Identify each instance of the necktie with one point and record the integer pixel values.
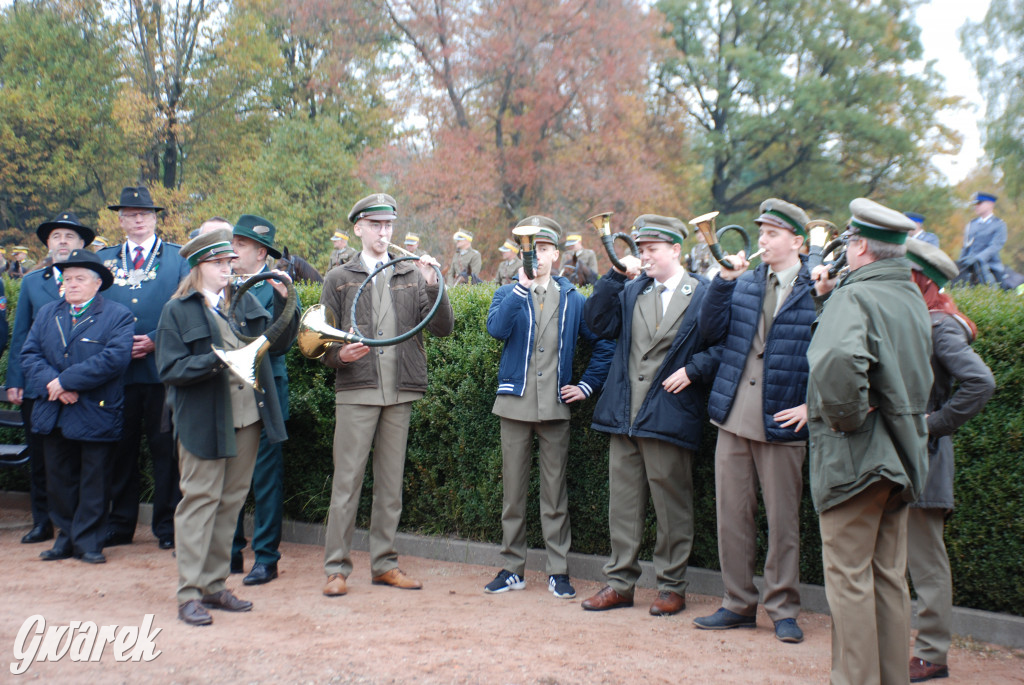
(538, 294)
(659, 307)
(771, 301)
(378, 281)
(138, 262)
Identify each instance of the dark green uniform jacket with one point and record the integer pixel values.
(197, 380)
(870, 378)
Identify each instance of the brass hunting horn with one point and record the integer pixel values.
(526, 236)
(318, 331)
(705, 223)
(602, 224)
(819, 233)
(245, 361)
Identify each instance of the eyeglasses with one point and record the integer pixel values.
(378, 226)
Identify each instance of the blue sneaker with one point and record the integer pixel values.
(787, 630)
(561, 587)
(503, 582)
(723, 619)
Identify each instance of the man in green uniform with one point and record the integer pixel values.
(466, 264)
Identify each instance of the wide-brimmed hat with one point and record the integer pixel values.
(135, 197)
(877, 222)
(648, 227)
(376, 207)
(785, 215)
(259, 229)
(932, 261)
(65, 219)
(87, 259)
(207, 247)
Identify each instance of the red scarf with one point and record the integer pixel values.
(941, 302)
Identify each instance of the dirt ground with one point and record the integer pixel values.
(449, 632)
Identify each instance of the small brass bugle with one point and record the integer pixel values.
(602, 224)
(526, 236)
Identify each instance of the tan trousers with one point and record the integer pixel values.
(358, 428)
(864, 549)
(516, 457)
(933, 583)
(740, 466)
(212, 493)
(637, 469)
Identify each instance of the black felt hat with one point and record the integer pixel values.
(65, 219)
(87, 259)
(135, 197)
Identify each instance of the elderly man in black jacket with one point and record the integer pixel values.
(78, 349)
(653, 406)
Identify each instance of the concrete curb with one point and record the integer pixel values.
(982, 626)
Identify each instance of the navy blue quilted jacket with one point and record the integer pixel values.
(729, 316)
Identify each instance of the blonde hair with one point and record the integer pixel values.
(195, 282)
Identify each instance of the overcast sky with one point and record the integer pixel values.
(939, 21)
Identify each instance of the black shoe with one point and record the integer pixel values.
(39, 533)
(93, 558)
(166, 543)
(237, 563)
(261, 573)
(114, 539)
(61, 550)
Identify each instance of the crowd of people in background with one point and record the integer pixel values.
(855, 370)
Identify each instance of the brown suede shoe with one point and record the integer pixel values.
(667, 604)
(606, 599)
(226, 601)
(397, 578)
(336, 586)
(921, 670)
(193, 613)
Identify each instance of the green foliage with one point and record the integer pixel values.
(811, 100)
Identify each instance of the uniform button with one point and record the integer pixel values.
(380, 332)
(753, 382)
(136, 318)
(260, 405)
(135, 300)
(382, 352)
(540, 373)
(241, 387)
(644, 358)
(540, 349)
(641, 378)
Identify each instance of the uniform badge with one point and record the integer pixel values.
(261, 229)
(686, 289)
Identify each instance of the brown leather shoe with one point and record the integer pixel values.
(397, 578)
(193, 613)
(336, 586)
(226, 601)
(921, 670)
(606, 599)
(667, 604)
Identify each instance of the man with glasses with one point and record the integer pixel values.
(375, 388)
(146, 273)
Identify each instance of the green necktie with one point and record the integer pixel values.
(771, 301)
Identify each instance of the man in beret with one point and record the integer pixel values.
(984, 238)
(762, 321)
(508, 268)
(375, 388)
(581, 262)
(919, 233)
(61, 236)
(539, 320)
(952, 360)
(341, 253)
(653, 406)
(466, 263)
(76, 352)
(146, 271)
(253, 241)
(412, 244)
(867, 395)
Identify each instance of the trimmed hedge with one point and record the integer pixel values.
(453, 470)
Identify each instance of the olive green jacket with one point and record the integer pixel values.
(870, 378)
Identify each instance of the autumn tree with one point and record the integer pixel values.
(811, 100)
(995, 47)
(524, 106)
(58, 95)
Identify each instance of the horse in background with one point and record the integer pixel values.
(297, 268)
